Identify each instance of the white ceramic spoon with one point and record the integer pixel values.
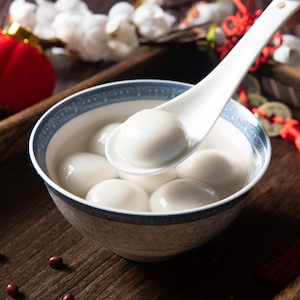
(199, 107)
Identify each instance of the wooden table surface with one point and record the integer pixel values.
(32, 230)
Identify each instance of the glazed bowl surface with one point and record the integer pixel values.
(139, 236)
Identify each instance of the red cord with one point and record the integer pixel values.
(290, 129)
(236, 26)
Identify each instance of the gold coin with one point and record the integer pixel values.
(254, 100)
(250, 84)
(274, 108)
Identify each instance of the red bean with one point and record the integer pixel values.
(12, 290)
(55, 262)
(68, 297)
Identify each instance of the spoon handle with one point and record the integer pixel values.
(209, 96)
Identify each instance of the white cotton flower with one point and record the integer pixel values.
(157, 2)
(289, 51)
(23, 12)
(282, 54)
(203, 13)
(114, 23)
(220, 36)
(152, 22)
(68, 28)
(121, 8)
(72, 6)
(45, 15)
(76, 26)
(122, 38)
(93, 46)
(83, 35)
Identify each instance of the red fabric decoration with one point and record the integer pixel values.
(236, 26)
(291, 131)
(26, 75)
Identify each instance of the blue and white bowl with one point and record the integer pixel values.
(135, 235)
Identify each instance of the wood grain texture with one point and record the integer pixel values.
(285, 74)
(32, 229)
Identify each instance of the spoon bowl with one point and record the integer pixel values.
(199, 107)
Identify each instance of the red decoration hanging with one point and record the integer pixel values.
(236, 26)
(290, 129)
(26, 75)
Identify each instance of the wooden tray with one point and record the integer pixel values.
(282, 82)
(32, 230)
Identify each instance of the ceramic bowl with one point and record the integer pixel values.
(134, 235)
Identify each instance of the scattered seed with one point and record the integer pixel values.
(68, 297)
(12, 290)
(55, 262)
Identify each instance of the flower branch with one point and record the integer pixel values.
(70, 25)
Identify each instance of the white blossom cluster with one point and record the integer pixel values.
(93, 37)
(289, 51)
(206, 13)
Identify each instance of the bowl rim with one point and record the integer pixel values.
(81, 203)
